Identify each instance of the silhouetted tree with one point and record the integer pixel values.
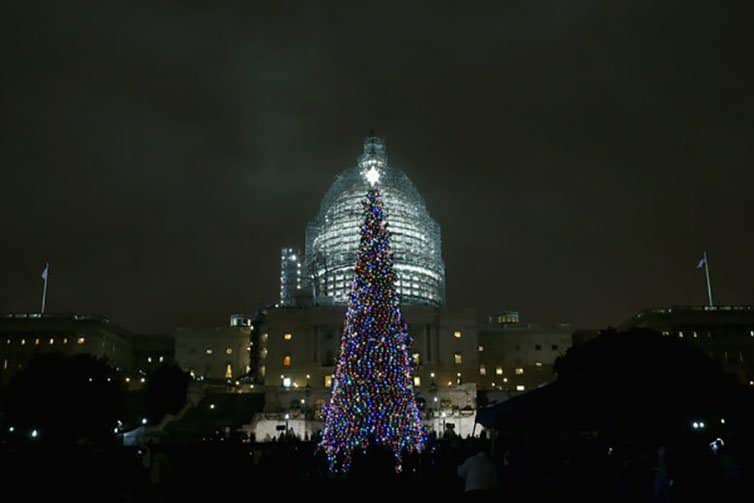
(165, 392)
(65, 398)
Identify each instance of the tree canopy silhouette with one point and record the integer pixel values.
(165, 392)
(65, 398)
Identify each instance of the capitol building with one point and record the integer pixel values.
(297, 341)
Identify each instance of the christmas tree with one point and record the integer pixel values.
(372, 398)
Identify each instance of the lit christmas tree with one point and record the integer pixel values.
(372, 398)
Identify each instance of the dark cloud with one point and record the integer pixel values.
(579, 156)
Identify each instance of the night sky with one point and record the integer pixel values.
(579, 156)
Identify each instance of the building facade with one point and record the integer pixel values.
(516, 357)
(217, 354)
(725, 333)
(299, 349)
(291, 275)
(23, 335)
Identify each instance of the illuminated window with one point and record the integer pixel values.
(751, 333)
(328, 381)
(228, 372)
(694, 335)
(480, 348)
(519, 371)
(287, 361)
(520, 387)
(432, 375)
(458, 358)
(417, 381)
(5, 364)
(482, 370)
(163, 359)
(665, 332)
(287, 337)
(65, 340)
(52, 341)
(228, 350)
(23, 342)
(80, 340)
(36, 342)
(7, 341)
(499, 370)
(457, 334)
(208, 351)
(680, 334)
(149, 359)
(416, 357)
(538, 364)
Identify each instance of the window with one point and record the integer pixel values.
(680, 334)
(208, 351)
(458, 358)
(163, 359)
(520, 387)
(65, 340)
(416, 357)
(287, 361)
(52, 341)
(499, 370)
(538, 347)
(149, 359)
(457, 334)
(554, 347)
(417, 381)
(36, 342)
(23, 342)
(538, 364)
(228, 350)
(519, 371)
(80, 340)
(287, 336)
(328, 381)
(287, 382)
(228, 372)
(482, 370)
(480, 348)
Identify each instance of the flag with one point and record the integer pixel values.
(702, 262)
(44, 273)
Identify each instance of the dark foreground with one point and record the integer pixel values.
(589, 471)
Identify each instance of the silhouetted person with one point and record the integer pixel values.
(479, 475)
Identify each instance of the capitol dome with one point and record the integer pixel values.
(332, 238)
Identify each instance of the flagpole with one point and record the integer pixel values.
(706, 271)
(44, 295)
(45, 274)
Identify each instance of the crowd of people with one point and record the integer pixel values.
(472, 468)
